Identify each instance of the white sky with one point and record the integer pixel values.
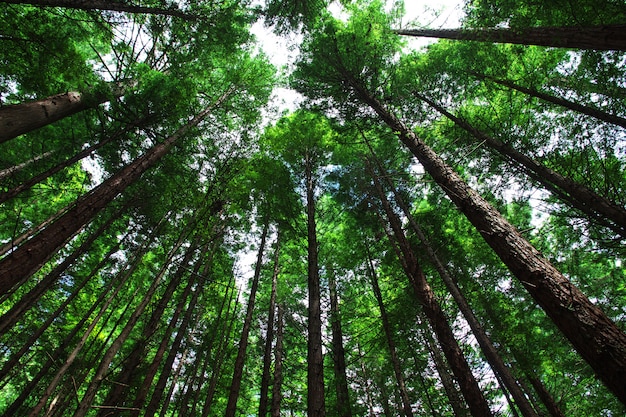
(282, 51)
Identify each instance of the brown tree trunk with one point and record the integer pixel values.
(589, 111)
(468, 384)
(269, 337)
(220, 355)
(17, 119)
(26, 185)
(490, 352)
(596, 337)
(604, 38)
(339, 354)
(578, 195)
(395, 361)
(33, 254)
(315, 359)
(12, 170)
(278, 363)
(116, 6)
(231, 407)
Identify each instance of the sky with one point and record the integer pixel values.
(418, 13)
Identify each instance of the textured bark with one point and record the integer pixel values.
(339, 353)
(495, 361)
(315, 359)
(116, 6)
(269, 337)
(596, 337)
(608, 37)
(278, 363)
(30, 256)
(235, 386)
(578, 195)
(395, 361)
(433, 312)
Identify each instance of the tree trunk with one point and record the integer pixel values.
(490, 352)
(116, 6)
(339, 353)
(315, 359)
(278, 363)
(26, 185)
(604, 38)
(220, 355)
(589, 111)
(32, 255)
(17, 119)
(596, 337)
(12, 170)
(581, 197)
(468, 384)
(395, 361)
(269, 337)
(231, 407)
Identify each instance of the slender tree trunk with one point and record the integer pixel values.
(581, 197)
(220, 355)
(116, 6)
(12, 170)
(315, 359)
(159, 388)
(32, 255)
(589, 111)
(546, 398)
(490, 352)
(339, 353)
(17, 119)
(26, 185)
(31, 298)
(596, 337)
(455, 398)
(395, 361)
(278, 363)
(367, 386)
(468, 384)
(118, 393)
(604, 38)
(269, 337)
(231, 407)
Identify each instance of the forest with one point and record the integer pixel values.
(436, 229)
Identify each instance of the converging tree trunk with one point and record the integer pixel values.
(395, 361)
(607, 37)
(576, 194)
(432, 310)
(596, 337)
(278, 363)
(231, 407)
(339, 353)
(269, 336)
(29, 257)
(315, 359)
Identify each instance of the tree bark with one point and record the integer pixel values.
(315, 359)
(488, 349)
(339, 353)
(395, 361)
(269, 337)
(17, 119)
(604, 38)
(231, 407)
(424, 294)
(32, 255)
(12, 170)
(596, 337)
(116, 6)
(578, 195)
(278, 363)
